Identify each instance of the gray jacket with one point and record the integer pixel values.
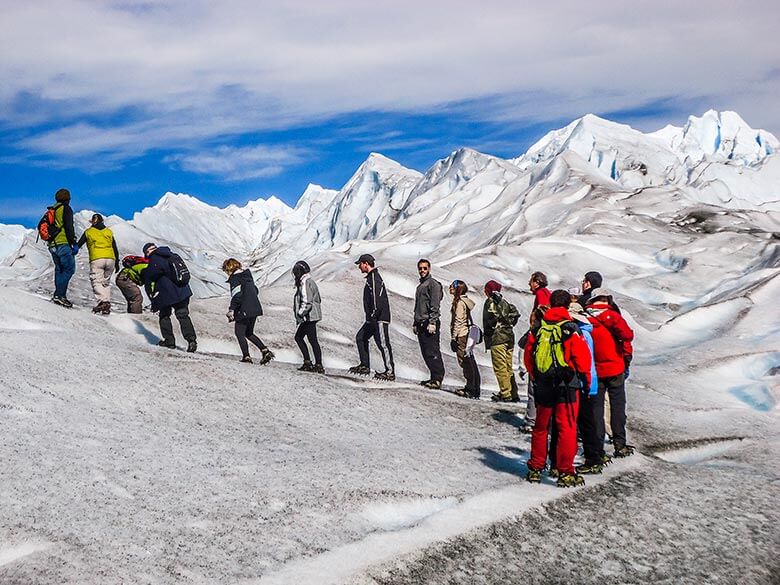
(427, 300)
(306, 302)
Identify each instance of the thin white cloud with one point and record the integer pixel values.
(184, 72)
(239, 164)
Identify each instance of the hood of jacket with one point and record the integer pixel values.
(240, 275)
(164, 251)
(469, 303)
(557, 314)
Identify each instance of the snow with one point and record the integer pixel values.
(125, 462)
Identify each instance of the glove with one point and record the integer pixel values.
(230, 316)
(454, 345)
(414, 328)
(627, 373)
(74, 249)
(431, 328)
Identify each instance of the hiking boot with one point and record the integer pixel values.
(98, 308)
(590, 468)
(306, 367)
(169, 343)
(192, 346)
(318, 369)
(526, 428)
(624, 451)
(499, 398)
(246, 360)
(605, 459)
(268, 355)
(553, 473)
(424, 382)
(386, 375)
(106, 310)
(533, 475)
(461, 392)
(360, 370)
(434, 385)
(62, 301)
(567, 480)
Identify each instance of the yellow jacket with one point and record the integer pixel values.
(100, 243)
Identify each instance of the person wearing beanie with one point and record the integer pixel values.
(63, 247)
(426, 323)
(498, 320)
(103, 261)
(167, 296)
(130, 279)
(590, 281)
(376, 307)
(307, 306)
(612, 352)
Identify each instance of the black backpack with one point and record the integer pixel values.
(180, 274)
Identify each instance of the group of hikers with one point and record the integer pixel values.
(577, 349)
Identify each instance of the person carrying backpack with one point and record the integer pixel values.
(534, 322)
(56, 228)
(558, 360)
(244, 309)
(427, 323)
(613, 352)
(498, 320)
(460, 324)
(130, 279)
(307, 306)
(103, 261)
(169, 293)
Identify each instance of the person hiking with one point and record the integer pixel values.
(307, 307)
(244, 309)
(103, 261)
(376, 307)
(559, 362)
(498, 320)
(62, 247)
(538, 285)
(613, 353)
(130, 280)
(534, 322)
(460, 323)
(590, 281)
(168, 297)
(427, 323)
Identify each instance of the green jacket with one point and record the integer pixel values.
(134, 273)
(498, 319)
(63, 219)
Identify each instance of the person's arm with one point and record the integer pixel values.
(373, 286)
(528, 357)
(622, 333)
(116, 255)
(306, 303)
(577, 354)
(434, 306)
(82, 240)
(67, 224)
(236, 294)
(155, 270)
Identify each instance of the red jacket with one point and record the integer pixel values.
(611, 340)
(575, 348)
(542, 296)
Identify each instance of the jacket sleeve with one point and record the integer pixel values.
(155, 270)
(622, 333)
(306, 303)
(67, 224)
(82, 239)
(577, 355)
(116, 250)
(374, 302)
(434, 308)
(236, 295)
(528, 358)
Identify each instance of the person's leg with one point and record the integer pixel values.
(501, 356)
(552, 454)
(300, 333)
(57, 272)
(182, 312)
(590, 413)
(566, 421)
(530, 407)
(166, 326)
(108, 272)
(240, 328)
(311, 335)
(250, 335)
(616, 387)
(68, 261)
(382, 338)
(538, 458)
(132, 293)
(430, 347)
(365, 332)
(96, 278)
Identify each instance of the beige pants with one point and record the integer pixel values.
(100, 272)
(501, 356)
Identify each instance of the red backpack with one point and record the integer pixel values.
(130, 261)
(47, 229)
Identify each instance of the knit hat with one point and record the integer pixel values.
(594, 278)
(62, 195)
(148, 248)
(599, 292)
(491, 286)
(578, 313)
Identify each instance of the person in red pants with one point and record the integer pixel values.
(558, 359)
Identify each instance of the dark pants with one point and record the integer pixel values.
(132, 293)
(380, 332)
(616, 388)
(246, 330)
(308, 330)
(182, 312)
(64, 268)
(591, 424)
(470, 368)
(430, 350)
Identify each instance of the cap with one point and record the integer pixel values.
(148, 247)
(599, 292)
(368, 258)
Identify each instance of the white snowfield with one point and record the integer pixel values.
(126, 463)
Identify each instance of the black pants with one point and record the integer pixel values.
(380, 332)
(182, 312)
(591, 424)
(430, 350)
(246, 330)
(308, 330)
(616, 388)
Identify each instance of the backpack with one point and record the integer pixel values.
(47, 229)
(130, 261)
(510, 313)
(474, 336)
(180, 274)
(550, 366)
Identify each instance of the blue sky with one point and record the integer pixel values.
(121, 101)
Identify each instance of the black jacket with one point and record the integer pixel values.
(158, 281)
(244, 301)
(427, 301)
(375, 302)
